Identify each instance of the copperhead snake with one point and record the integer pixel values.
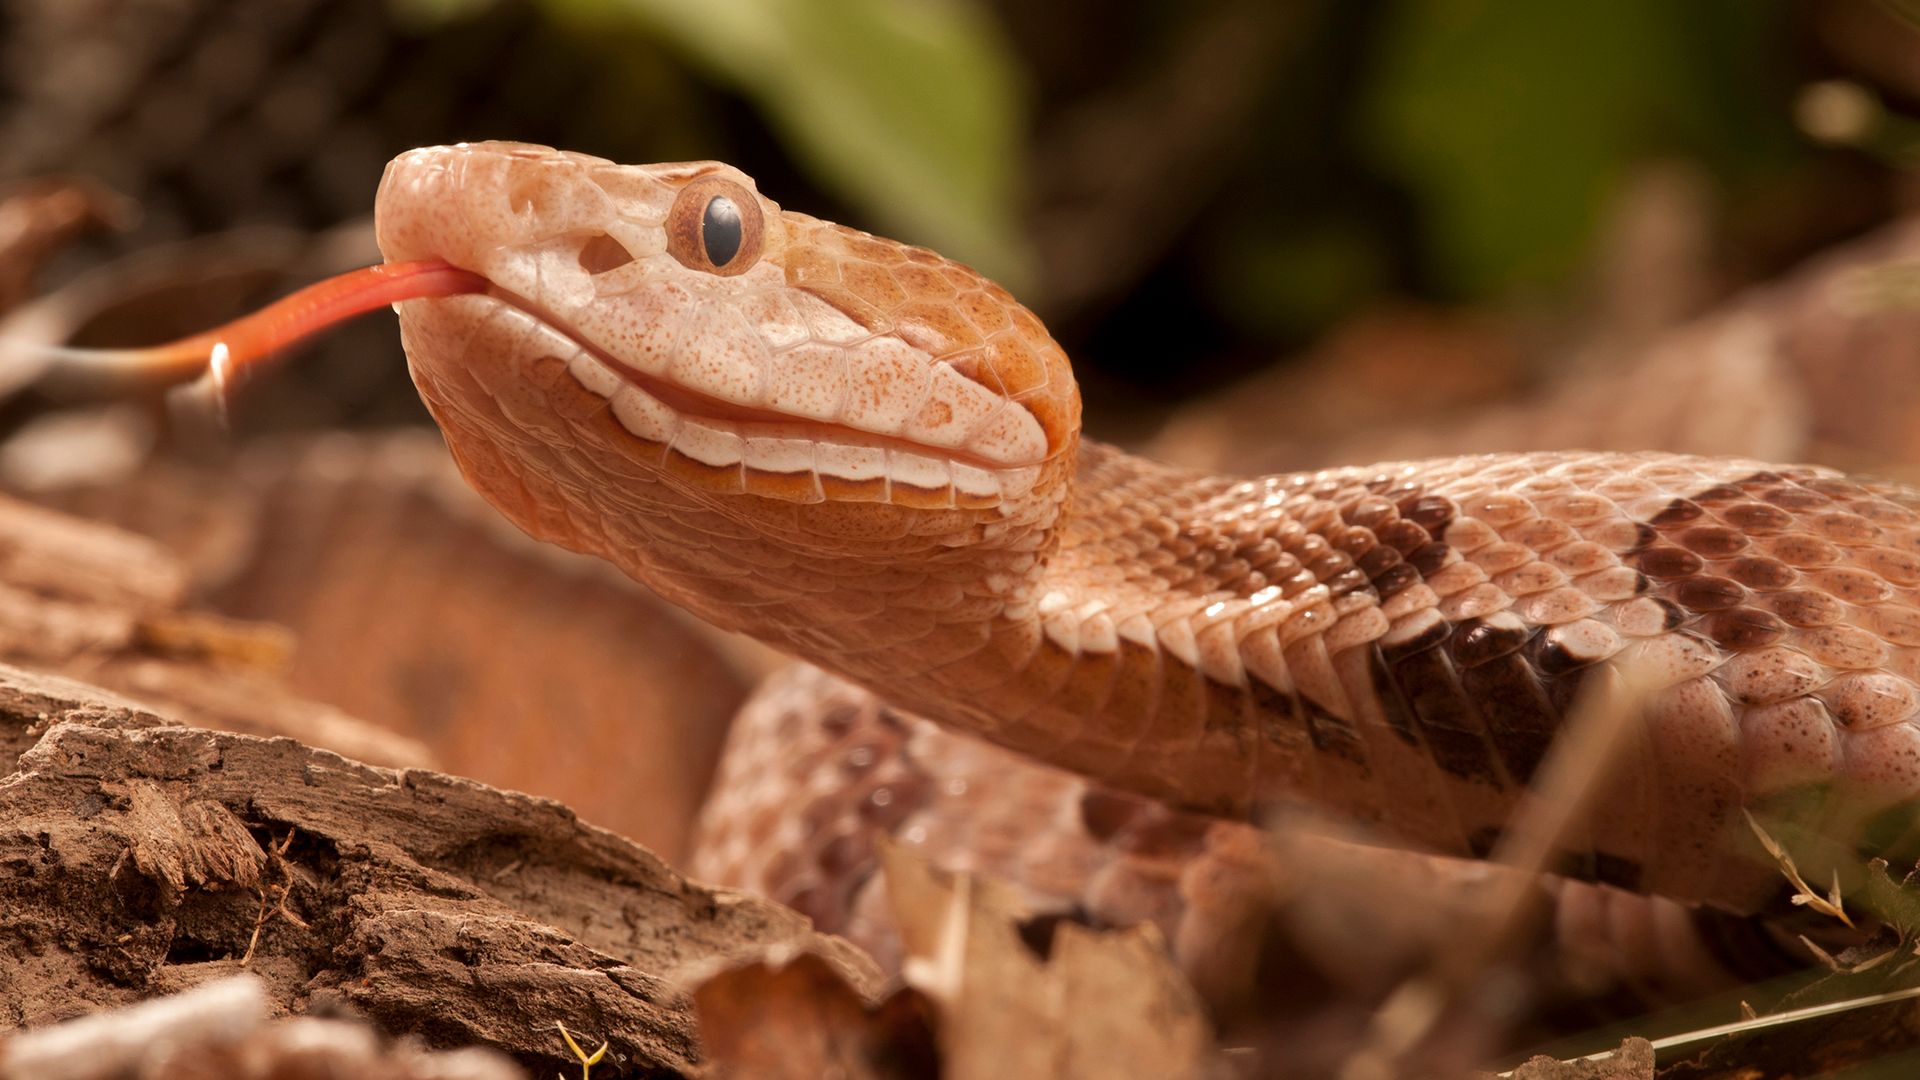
(869, 457)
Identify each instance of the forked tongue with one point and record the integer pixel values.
(245, 341)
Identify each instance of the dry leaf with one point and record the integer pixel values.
(799, 1018)
(1102, 1005)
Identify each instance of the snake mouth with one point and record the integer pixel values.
(732, 448)
(718, 445)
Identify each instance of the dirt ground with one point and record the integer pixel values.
(140, 857)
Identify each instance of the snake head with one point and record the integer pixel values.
(668, 324)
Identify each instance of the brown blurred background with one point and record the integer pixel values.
(1187, 192)
(1270, 234)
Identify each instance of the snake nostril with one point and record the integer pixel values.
(603, 253)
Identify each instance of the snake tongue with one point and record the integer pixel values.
(292, 318)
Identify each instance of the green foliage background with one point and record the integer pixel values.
(1513, 122)
(1450, 151)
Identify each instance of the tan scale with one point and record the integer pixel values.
(775, 449)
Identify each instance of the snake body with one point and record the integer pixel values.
(817, 770)
(869, 457)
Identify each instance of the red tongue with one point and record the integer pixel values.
(312, 309)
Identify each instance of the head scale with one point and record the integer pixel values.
(664, 344)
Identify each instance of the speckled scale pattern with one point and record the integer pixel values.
(1401, 643)
(949, 311)
(939, 388)
(816, 771)
(817, 768)
(1405, 641)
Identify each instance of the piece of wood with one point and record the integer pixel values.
(139, 858)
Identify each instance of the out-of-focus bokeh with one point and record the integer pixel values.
(1271, 235)
(1188, 192)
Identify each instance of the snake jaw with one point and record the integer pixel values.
(1404, 643)
(822, 365)
(797, 434)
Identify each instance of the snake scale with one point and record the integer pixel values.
(869, 457)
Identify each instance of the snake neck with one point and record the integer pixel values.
(1399, 644)
(1102, 626)
(1191, 636)
(1035, 624)
(1128, 620)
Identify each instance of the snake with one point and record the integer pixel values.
(870, 457)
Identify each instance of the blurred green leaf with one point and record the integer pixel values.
(911, 109)
(1294, 277)
(1513, 120)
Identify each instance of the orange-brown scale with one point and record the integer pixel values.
(1406, 682)
(791, 487)
(840, 489)
(948, 310)
(816, 771)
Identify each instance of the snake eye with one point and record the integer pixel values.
(720, 230)
(714, 226)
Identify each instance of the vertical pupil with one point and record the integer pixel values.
(720, 230)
